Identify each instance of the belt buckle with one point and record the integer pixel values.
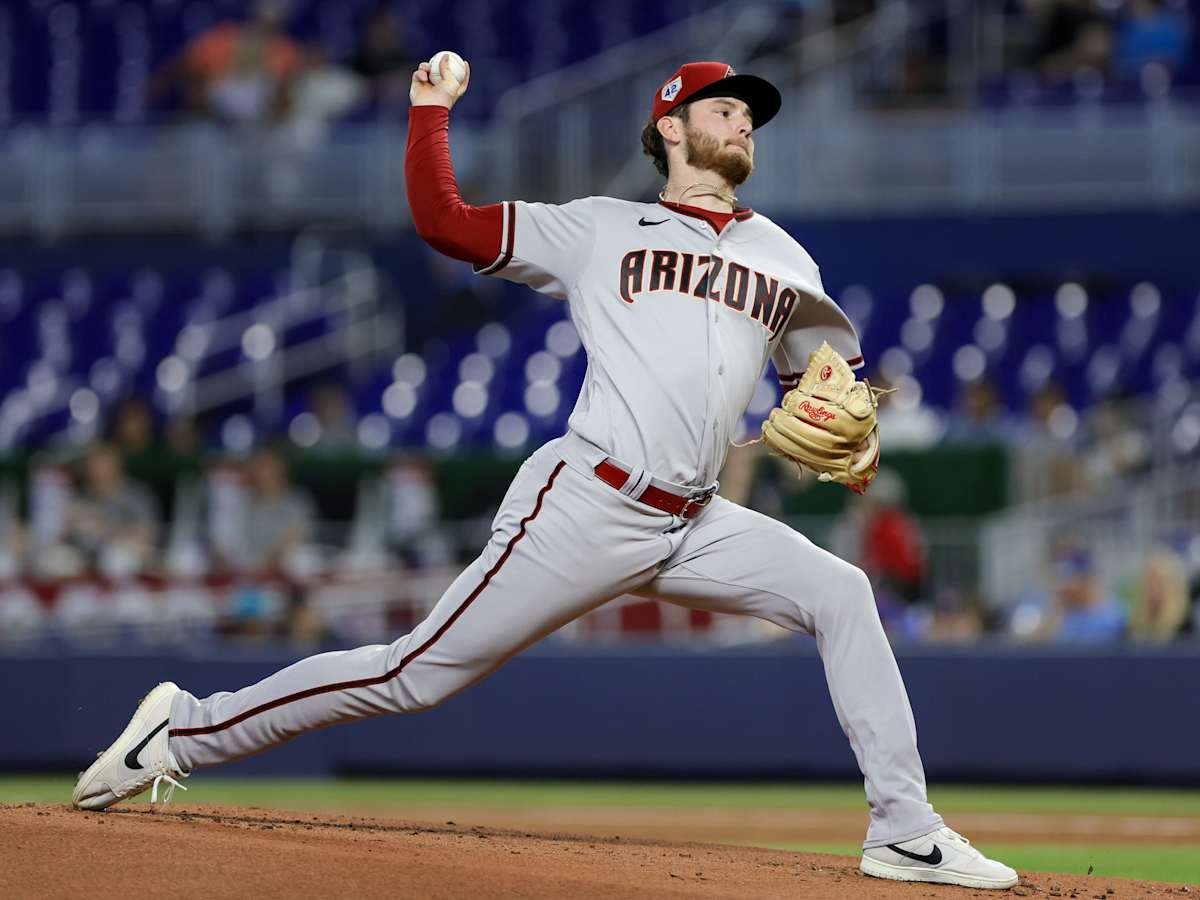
(699, 500)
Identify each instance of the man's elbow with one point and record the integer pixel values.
(444, 241)
(426, 231)
(437, 238)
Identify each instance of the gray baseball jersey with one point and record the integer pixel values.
(678, 322)
(673, 364)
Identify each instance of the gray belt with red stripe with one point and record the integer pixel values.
(686, 506)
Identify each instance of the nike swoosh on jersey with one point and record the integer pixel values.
(644, 221)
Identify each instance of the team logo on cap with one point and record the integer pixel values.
(671, 89)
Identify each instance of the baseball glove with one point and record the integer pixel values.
(827, 423)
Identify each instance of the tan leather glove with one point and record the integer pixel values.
(826, 423)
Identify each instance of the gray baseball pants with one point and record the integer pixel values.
(564, 543)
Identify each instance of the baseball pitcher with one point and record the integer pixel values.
(679, 305)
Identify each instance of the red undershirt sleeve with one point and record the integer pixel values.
(449, 225)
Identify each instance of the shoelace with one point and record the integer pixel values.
(167, 770)
(170, 791)
(954, 835)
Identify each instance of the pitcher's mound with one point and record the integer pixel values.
(213, 852)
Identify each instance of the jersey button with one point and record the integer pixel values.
(721, 369)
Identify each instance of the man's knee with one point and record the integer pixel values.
(421, 687)
(849, 591)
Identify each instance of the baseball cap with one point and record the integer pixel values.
(697, 80)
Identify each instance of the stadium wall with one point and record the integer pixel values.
(983, 713)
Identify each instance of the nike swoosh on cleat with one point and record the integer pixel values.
(644, 221)
(131, 758)
(933, 858)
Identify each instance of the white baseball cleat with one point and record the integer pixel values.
(138, 759)
(942, 856)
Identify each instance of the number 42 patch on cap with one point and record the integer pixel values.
(671, 88)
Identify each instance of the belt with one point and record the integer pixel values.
(685, 506)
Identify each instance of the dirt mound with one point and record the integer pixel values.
(53, 851)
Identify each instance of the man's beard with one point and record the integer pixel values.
(704, 152)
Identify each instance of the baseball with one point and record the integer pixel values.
(458, 68)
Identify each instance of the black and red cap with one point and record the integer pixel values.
(698, 80)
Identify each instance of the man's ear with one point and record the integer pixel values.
(671, 129)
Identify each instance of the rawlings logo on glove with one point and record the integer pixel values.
(820, 413)
(827, 423)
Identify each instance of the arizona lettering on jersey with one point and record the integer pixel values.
(678, 320)
(708, 278)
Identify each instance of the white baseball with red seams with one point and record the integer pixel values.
(458, 68)
(679, 317)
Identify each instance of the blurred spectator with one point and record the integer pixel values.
(1117, 445)
(331, 405)
(1046, 447)
(321, 93)
(1072, 35)
(978, 417)
(238, 72)
(1160, 599)
(413, 513)
(1150, 32)
(183, 437)
(893, 549)
(148, 459)
(384, 60)
(132, 428)
(22, 616)
(881, 536)
(954, 619)
(1039, 429)
(13, 538)
(1082, 613)
(278, 518)
(113, 521)
(272, 523)
(904, 420)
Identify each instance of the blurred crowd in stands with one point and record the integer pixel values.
(243, 538)
(1122, 41)
(152, 532)
(1067, 599)
(251, 71)
(1014, 49)
(148, 533)
(303, 63)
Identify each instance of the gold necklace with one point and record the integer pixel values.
(711, 191)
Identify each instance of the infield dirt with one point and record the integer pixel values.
(214, 852)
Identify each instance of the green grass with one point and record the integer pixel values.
(379, 792)
(1159, 863)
